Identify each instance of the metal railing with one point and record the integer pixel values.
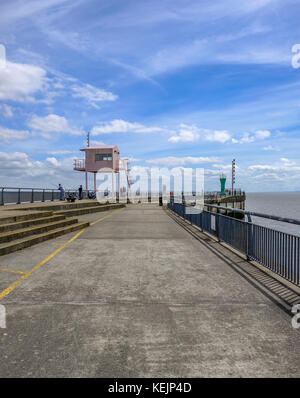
(13, 195)
(277, 251)
(79, 163)
(229, 192)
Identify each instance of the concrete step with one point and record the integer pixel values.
(28, 223)
(86, 210)
(64, 205)
(7, 219)
(20, 244)
(9, 236)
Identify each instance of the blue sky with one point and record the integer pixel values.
(171, 83)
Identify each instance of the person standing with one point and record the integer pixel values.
(80, 192)
(62, 192)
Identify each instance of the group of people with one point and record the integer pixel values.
(62, 192)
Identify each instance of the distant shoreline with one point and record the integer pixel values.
(268, 192)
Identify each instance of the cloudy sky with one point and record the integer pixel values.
(171, 82)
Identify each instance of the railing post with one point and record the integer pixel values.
(19, 196)
(2, 197)
(32, 195)
(52, 197)
(249, 237)
(43, 196)
(217, 224)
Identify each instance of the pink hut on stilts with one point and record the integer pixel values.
(96, 158)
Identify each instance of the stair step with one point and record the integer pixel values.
(64, 205)
(86, 210)
(28, 223)
(23, 216)
(30, 241)
(19, 234)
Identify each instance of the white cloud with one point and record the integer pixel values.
(186, 133)
(270, 148)
(262, 134)
(247, 139)
(218, 136)
(52, 123)
(96, 143)
(257, 135)
(283, 166)
(131, 159)
(6, 111)
(62, 152)
(15, 10)
(21, 170)
(182, 161)
(53, 161)
(19, 82)
(173, 57)
(225, 166)
(191, 133)
(121, 126)
(18, 163)
(92, 95)
(10, 135)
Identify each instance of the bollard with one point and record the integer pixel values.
(19, 196)
(2, 317)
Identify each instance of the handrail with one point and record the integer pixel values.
(256, 214)
(40, 189)
(17, 195)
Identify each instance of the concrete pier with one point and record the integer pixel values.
(136, 295)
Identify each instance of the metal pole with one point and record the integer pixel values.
(112, 185)
(86, 184)
(249, 237)
(118, 187)
(233, 176)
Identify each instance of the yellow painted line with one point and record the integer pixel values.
(26, 275)
(12, 270)
(10, 288)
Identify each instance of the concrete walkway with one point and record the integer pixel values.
(136, 295)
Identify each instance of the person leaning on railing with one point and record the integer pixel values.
(62, 192)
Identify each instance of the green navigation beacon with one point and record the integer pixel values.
(223, 181)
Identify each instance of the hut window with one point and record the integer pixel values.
(102, 156)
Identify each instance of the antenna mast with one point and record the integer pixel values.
(233, 175)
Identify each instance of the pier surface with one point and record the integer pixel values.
(136, 295)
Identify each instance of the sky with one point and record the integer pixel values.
(170, 82)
